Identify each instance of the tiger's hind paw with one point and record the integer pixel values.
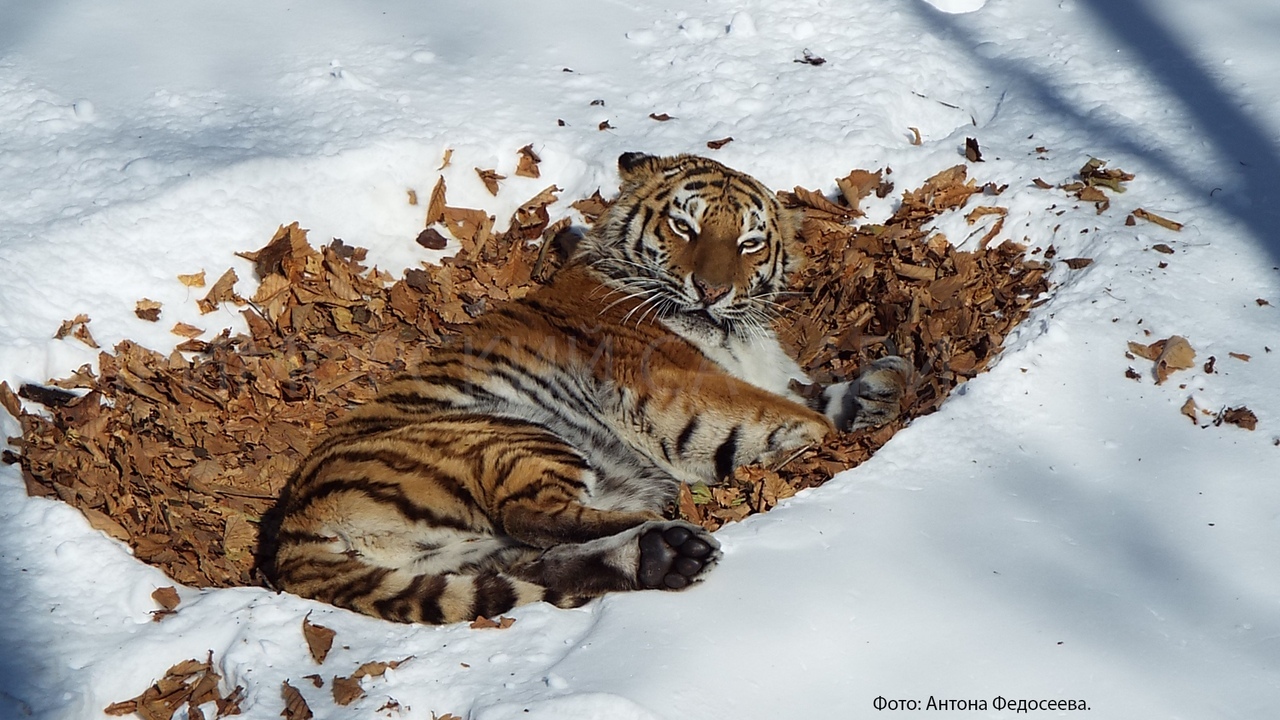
(674, 555)
(874, 398)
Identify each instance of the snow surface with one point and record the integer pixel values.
(1056, 531)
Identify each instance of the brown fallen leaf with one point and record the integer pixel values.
(490, 179)
(431, 239)
(1177, 354)
(857, 185)
(295, 706)
(195, 280)
(1095, 173)
(1041, 184)
(604, 125)
(1240, 356)
(346, 690)
(663, 117)
(9, 400)
(448, 159)
(1078, 263)
(222, 291)
(413, 196)
(971, 151)
(319, 639)
(983, 211)
(167, 598)
(528, 164)
(68, 327)
(1240, 417)
(1162, 248)
(187, 331)
(717, 144)
(148, 310)
(915, 136)
(1192, 411)
(1158, 220)
(435, 205)
(1147, 352)
(315, 679)
(377, 669)
(192, 683)
(484, 623)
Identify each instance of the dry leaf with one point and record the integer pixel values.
(1177, 354)
(1041, 184)
(915, 136)
(857, 185)
(1078, 263)
(1240, 356)
(490, 179)
(413, 196)
(295, 706)
(167, 598)
(222, 291)
(148, 310)
(10, 401)
(717, 144)
(448, 158)
(346, 690)
(82, 334)
(1190, 409)
(660, 117)
(103, 522)
(1158, 220)
(484, 623)
(319, 639)
(528, 163)
(68, 326)
(435, 206)
(195, 281)
(1162, 248)
(1240, 417)
(431, 239)
(971, 151)
(187, 331)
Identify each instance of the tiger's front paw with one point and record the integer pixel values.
(873, 399)
(675, 554)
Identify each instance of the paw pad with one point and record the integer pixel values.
(673, 557)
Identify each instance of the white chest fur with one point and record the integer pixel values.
(758, 359)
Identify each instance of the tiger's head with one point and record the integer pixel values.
(689, 236)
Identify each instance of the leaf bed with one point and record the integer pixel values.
(179, 455)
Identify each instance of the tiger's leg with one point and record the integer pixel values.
(590, 551)
(870, 400)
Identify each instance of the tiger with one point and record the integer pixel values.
(534, 457)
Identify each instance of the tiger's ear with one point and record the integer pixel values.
(635, 165)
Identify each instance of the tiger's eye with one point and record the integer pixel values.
(682, 227)
(746, 247)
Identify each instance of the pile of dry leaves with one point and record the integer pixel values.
(179, 455)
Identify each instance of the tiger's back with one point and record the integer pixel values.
(533, 458)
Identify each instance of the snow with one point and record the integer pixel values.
(1056, 531)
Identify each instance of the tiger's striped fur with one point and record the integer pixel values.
(533, 458)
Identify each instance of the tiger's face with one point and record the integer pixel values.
(690, 236)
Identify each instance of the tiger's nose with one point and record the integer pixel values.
(710, 292)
